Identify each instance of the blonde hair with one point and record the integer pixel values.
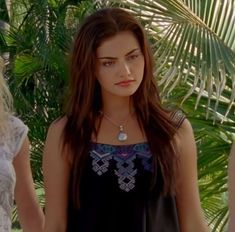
(5, 99)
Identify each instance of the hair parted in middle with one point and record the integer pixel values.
(84, 100)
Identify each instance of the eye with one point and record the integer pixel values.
(133, 56)
(107, 63)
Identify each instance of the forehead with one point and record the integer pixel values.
(120, 44)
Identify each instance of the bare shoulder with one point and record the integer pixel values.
(232, 152)
(184, 133)
(190, 218)
(185, 127)
(55, 130)
(57, 125)
(56, 171)
(232, 160)
(54, 140)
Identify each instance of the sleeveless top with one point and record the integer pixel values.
(115, 194)
(10, 144)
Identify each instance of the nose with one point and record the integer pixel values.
(124, 70)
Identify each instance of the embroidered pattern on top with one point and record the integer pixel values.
(100, 162)
(124, 157)
(125, 172)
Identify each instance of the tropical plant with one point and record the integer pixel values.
(194, 44)
(35, 38)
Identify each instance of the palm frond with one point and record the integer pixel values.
(194, 43)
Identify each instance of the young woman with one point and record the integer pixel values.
(15, 174)
(117, 160)
(231, 188)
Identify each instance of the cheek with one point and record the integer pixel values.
(104, 78)
(139, 68)
(101, 76)
(106, 73)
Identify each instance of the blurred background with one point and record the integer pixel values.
(194, 47)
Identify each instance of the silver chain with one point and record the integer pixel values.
(114, 123)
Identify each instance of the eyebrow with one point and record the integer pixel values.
(113, 58)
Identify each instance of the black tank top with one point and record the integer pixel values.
(115, 193)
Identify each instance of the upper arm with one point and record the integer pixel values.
(22, 168)
(231, 188)
(25, 195)
(56, 177)
(187, 196)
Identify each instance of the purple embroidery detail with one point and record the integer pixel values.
(124, 157)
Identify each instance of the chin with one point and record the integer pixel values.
(129, 94)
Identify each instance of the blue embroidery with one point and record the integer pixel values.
(125, 172)
(100, 162)
(146, 161)
(143, 151)
(141, 147)
(105, 148)
(124, 155)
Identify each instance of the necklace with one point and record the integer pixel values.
(122, 135)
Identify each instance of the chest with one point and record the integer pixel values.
(109, 133)
(118, 170)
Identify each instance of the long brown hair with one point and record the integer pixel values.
(84, 98)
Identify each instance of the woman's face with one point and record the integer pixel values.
(120, 65)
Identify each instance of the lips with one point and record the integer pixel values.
(124, 83)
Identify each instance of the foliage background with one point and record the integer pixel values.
(194, 46)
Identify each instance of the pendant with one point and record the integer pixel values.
(122, 136)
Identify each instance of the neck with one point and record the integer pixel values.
(122, 135)
(118, 109)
